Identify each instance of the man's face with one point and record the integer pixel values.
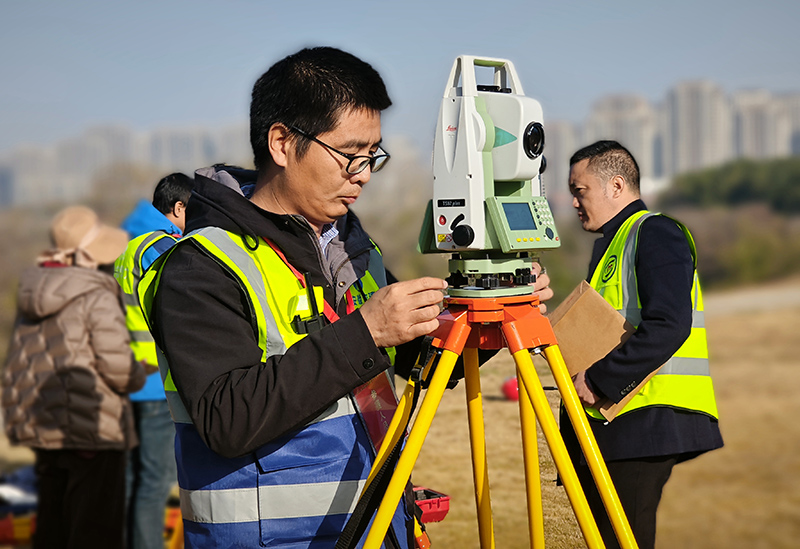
(317, 185)
(591, 197)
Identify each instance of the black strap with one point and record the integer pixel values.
(373, 494)
(426, 353)
(369, 502)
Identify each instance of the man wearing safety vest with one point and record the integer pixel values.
(644, 265)
(154, 228)
(278, 321)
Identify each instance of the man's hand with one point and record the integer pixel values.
(588, 398)
(404, 311)
(542, 286)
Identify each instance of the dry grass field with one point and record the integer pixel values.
(745, 495)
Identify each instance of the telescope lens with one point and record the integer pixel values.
(543, 165)
(533, 139)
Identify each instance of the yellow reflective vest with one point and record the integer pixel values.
(684, 381)
(128, 270)
(285, 486)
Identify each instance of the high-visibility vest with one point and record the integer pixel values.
(684, 381)
(128, 270)
(306, 484)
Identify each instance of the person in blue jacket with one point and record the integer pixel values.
(154, 228)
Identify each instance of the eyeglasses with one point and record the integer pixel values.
(355, 163)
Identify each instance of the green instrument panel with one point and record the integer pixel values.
(522, 224)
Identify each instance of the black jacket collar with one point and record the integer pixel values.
(218, 200)
(612, 226)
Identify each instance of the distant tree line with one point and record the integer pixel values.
(745, 217)
(772, 182)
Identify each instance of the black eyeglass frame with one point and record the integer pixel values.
(367, 160)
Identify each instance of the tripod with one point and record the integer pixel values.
(514, 322)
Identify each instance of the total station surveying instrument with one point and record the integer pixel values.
(488, 207)
(490, 212)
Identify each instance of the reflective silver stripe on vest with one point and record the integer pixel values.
(243, 260)
(634, 316)
(141, 336)
(630, 290)
(176, 407)
(131, 300)
(685, 366)
(275, 502)
(342, 407)
(698, 317)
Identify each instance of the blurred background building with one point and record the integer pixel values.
(64, 171)
(698, 125)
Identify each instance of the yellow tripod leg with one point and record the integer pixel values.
(588, 443)
(561, 458)
(477, 435)
(410, 453)
(530, 452)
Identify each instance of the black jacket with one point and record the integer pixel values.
(664, 273)
(201, 321)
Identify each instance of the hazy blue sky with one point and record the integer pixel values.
(67, 65)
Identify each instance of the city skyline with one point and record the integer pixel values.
(697, 124)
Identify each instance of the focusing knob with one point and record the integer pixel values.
(463, 235)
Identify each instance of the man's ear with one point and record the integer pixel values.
(178, 208)
(278, 140)
(617, 185)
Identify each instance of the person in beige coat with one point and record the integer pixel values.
(66, 380)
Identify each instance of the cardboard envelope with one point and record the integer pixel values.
(587, 328)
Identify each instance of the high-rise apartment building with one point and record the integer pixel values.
(631, 120)
(788, 124)
(698, 127)
(755, 120)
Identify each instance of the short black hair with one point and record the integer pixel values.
(174, 188)
(608, 158)
(309, 90)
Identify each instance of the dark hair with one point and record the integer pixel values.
(174, 188)
(607, 159)
(309, 90)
